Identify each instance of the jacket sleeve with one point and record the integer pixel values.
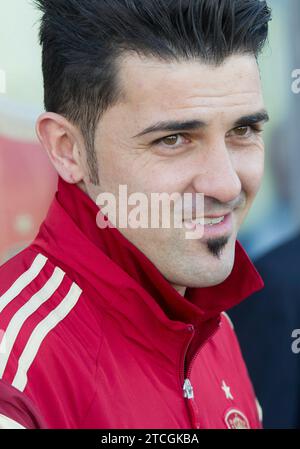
(17, 411)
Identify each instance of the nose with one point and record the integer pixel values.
(216, 176)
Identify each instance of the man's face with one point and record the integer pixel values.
(221, 157)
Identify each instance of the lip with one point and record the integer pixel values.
(214, 231)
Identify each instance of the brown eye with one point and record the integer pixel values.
(172, 143)
(241, 131)
(170, 140)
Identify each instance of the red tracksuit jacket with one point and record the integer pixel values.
(93, 336)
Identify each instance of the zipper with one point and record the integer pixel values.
(188, 391)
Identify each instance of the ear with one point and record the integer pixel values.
(64, 145)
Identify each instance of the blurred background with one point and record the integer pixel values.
(27, 180)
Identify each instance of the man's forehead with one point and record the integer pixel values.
(190, 82)
(157, 91)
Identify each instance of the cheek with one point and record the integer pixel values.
(250, 169)
(114, 167)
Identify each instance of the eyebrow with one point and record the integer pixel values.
(252, 119)
(190, 125)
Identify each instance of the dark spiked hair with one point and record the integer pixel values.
(83, 40)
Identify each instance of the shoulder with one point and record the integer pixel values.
(225, 337)
(226, 340)
(50, 335)
(35, 297)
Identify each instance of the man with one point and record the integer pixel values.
(122, 327)
(272, 351)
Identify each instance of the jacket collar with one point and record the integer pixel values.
(106, 257)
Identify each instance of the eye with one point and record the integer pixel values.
(245, 131)
(172, 142)
(242, 130)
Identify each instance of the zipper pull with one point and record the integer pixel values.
(188, 391)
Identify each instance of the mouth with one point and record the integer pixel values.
(207, 221)
(216, 226)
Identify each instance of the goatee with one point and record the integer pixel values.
(216, 246)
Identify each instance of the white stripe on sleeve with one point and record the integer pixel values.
(25, 311)
(40, 332)
(8, 423)
(22, 282)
